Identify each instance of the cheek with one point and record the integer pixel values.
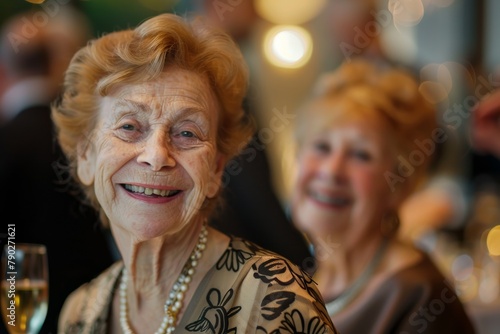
(371, 184)
(109, 161)
(306, 169)
(202, 170)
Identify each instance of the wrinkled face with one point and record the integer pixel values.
(153, 158)
(340, 186)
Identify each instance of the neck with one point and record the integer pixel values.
(338, 267)
(154, 265)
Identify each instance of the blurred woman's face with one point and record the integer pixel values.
(153, 157)
(340, 186)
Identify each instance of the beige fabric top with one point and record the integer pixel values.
(249, 290)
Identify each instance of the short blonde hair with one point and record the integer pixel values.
(390, 92)
(140, 55)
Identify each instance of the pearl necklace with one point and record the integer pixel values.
(339, 303)
(174, 302)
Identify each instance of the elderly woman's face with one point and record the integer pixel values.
(153, 157)
(340, 182)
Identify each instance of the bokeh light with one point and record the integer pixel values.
(493, 241)
(489, 289)
(406, 13)
(462, 267)
(289, 11)
(36, 2)
(288, 46)
(436, 82)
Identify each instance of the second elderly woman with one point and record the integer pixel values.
(357, 161)
(148, 119)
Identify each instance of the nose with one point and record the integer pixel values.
(333, 166)
(157, 152)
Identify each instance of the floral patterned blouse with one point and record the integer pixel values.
(249, 290)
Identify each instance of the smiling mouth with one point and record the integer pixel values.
(150, 191)
(338, 201)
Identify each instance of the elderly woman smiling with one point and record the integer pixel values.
(351, 135)
(148, 119)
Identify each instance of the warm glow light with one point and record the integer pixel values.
(467, 289)
(436, 82)
(489, 290)
(36, 2)
(288, 46)
(289, 11)
(438, 73)
(493, 241)
(406, 12)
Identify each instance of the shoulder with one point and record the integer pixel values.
(89, 304)
(428, 299)
(413, 273)
(245, 257)
(267, 287)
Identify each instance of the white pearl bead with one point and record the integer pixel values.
(176, 295)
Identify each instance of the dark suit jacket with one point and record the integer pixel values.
(252, 209)
(42, 209)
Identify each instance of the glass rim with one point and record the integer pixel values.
(41, 248)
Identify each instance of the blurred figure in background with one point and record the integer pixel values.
(347, 25)
(356, 139)
(485, 128)
(356, 28)
(33, 59)
(250, 199)
(27, 76)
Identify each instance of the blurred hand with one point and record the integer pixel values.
(486, 125)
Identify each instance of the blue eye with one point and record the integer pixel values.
(187, 134)
(128, 127)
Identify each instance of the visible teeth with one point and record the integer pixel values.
(331, 200)
(150, 191)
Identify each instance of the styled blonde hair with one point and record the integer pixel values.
(140, 55)
(387, 91)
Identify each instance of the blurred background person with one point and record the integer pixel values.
(485, 126)
(38, 197)
(355, 139)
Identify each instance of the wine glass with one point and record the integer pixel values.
(24, 295)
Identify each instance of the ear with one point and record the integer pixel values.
(85, 162)
(216, 179)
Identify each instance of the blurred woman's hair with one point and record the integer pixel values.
(359, 88)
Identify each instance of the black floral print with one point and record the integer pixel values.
(232, 259)
(294, 323)
(274, 270)
(275, 303)
(215, 317)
